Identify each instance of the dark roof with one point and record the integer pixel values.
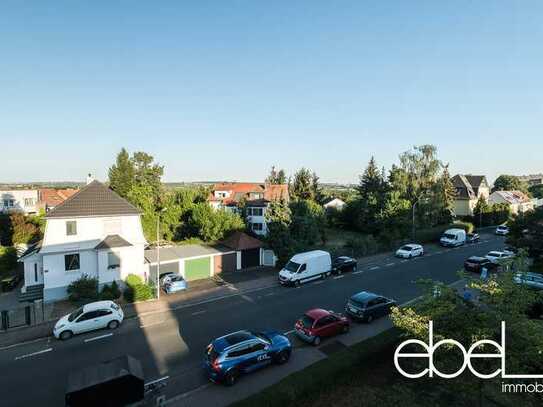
(475, 180)
(34, 248)
(112, 241)
(258, 203)
(363, 296)
(467, 186)
(95, 199)
(242, 241)
(183, 252)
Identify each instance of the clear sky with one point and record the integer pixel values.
(225, 89)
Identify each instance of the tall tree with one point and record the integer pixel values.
(146, 172)
(121, 174)
(509, 183)
(302, 185)
(372, 192)
(276, 177)
(421, 168)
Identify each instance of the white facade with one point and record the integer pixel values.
(515, 204)
(22, 200)
(68, 252)
(335, 203)
(256, 218)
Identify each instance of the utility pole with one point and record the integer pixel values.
(158, 253)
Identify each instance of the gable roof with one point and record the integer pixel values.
(476, 180)
(512, 197)
(467, 186)
(111, 242)
(242, 241)
(95, 199)
(239, 190)
(53, 197)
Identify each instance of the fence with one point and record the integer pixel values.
(22, 316)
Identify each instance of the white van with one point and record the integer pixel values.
(453, 238)
(306, 266)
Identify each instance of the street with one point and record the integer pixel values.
(172, 343)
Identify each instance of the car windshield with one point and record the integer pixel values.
(493, 254)
(177, 278)
(449, 236)
(75, 314)
(292, 267)
(406, 248)
(307, 321)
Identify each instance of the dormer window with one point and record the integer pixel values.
(71, 228)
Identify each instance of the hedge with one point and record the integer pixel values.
(84, 289)
(137, 290)
(110, 292)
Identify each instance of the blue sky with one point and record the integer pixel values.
(225, 89)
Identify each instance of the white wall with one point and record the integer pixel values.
(258, 219)
(29, 274)
(19, 204)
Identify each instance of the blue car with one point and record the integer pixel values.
(242, 352)
(173, 283)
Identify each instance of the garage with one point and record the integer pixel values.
(165, 268)
(196, 269)
(224, 263)
(250, 258)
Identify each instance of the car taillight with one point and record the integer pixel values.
(216, 366)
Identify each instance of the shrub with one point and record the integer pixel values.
(110, 292)
(137, 290)
(84, 289)
(363, 245)
(8, 259)
(467, 226)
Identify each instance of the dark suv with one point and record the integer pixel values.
(366, 306)
(344, 263)
(475, 264)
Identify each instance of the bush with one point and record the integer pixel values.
(110, 292)
(8, 260)
(84, 289)
(467, 226)
(363, 245)
(137, 290)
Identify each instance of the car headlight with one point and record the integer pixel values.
(60, 326)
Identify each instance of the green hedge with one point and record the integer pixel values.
(433, 234)
(8, 260)
(83, 290)
(137, 290)
(110, 291)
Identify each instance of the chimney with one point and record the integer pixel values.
(90, 178)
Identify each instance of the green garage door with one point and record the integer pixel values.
(197, 268)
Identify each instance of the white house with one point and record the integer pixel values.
(334, 203)
(96, 233)
(518, 201)
(469, 188)
(21, 200)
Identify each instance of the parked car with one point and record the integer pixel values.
(473, 237)
(366, 306)
(453, 238)
(410, 250)
(344, 263)
(229, 356)
(89, 317)
(317, 323)
(306, 266)
(495, 256)
(502, 230)
(532, 280)
(475, 264)
(174, 283)
(164, 278)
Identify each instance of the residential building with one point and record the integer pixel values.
(334, 203)
(255, 197)
(469, 188)
(19, 200)
(532, 179)
(518, 201)
(49, 198)
(93, 233)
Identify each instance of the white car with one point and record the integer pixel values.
(92, 316)
(502, 230)
(410, 250)
(495, 256)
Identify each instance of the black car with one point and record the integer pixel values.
(475, 264)
(344, 263)
(366, 306)
(473, 237)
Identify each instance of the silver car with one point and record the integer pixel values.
(532, 280)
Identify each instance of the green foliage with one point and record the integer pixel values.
(84, 289)
(210, 224)
(121, 174)
(8, 260)
(509, 183)
(305, 186)
(276, 177)
(536, 191)
(110, 291)
(24, 230)
(365, 245)
(137, 290)
(526, 230)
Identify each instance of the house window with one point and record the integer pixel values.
(9, 203)
(257, 211)
(36, 272)
(113, 260)
(29, 201)
(71, 262)
(257, 226)
(71, 228)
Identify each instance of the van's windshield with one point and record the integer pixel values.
(449, 236)
(292, 267)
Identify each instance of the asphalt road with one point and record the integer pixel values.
(172, 343)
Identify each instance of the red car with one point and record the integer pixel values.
(319, 323)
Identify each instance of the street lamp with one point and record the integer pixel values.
(158, 253)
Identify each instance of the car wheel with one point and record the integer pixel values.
(317, 341)
(410, 255)
(327, 274)
(339, 272)
(231, 378)
(355, 268)
(345, 328)
(65, 335)
(297, 283)
(282, 357)
(369, 319)
(113, 324)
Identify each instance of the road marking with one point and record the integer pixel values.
(98, 337)
(389, 264)
(289, 332)
(374, 268)
(318, 282)
(267, 295)
(34, 354)
(404, 261)
(152, 324)
(338, 277)
(247, 298)
(199, 312)
(358, 272)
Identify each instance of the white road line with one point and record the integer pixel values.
(199, 312)
(389, 264)
(358, 272)
(289, 332)
(98, 337)
(338, 277)
(152, 324)
(247, 298)
(34, 354)
(267, 295)
(374, 268)
(318, 282)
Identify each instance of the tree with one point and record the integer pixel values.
(278, 221)
(316, 188)
(211, 225)
(526, 231)
(421, 168)
(536, 191)
(121, 174)
(146, 172)
(509, 183)
(372, 192)
(481, 211)
(276, 177)
(302, 185)
(24, 230)
(444, 194)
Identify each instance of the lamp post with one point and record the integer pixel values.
(158, 253)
